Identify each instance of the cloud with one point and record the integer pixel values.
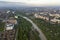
(37, 2)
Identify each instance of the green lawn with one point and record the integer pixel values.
(51, 31)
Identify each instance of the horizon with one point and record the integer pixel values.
(37, 2)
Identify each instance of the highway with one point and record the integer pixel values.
(41, 34)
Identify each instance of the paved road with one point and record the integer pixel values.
(41, 35)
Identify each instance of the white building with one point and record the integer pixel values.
(13, 12)
(55, 20)
(42, 17)
(9, 26)
(16, 16)
(47, 18)
(8, 11)
(55, 15)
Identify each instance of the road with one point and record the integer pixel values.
(41, 35)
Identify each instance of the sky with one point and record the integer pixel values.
(37, 2)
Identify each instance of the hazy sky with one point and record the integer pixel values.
(37, 2)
